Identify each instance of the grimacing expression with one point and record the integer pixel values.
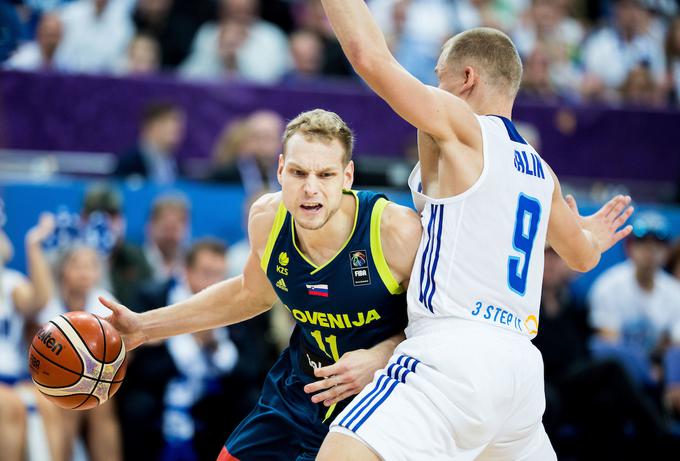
(312, 177)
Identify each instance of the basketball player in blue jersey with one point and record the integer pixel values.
(338, 259)
(467, 383)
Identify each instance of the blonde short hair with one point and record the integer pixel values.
(319, 124)
(492, 51)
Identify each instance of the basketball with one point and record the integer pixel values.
(77, 360)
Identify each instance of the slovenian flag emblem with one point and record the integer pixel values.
(317, 290)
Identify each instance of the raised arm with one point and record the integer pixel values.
(225, 303)
(435, 111)
(31, 297)
(579, 240)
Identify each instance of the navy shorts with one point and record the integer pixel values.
(284, 425)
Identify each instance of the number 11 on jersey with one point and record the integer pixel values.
(526, 226)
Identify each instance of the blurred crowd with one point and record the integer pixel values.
(607, 51)
(182, 397)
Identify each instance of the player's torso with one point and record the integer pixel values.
(481, 253)
(344, 304)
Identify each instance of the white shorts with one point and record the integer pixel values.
(461, 392)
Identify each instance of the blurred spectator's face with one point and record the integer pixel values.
(537, 71)
(240, 10)
(81, 271)
(307, 50)
(143, 56)
(629, 16)
(312, 177)
(154, 9)
(169, 229)
(264, 131)
(49, 33)
(207, 269)
(556, 273)
(648, 254)
(547, 15)
(167, 131)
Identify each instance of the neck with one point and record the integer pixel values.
(327, 240)
(489, 102)
(74, 300)
(645, 279)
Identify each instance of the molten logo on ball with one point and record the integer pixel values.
(46, 338)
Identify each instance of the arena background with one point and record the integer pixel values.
(69, 115)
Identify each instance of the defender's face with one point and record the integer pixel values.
(312, 178)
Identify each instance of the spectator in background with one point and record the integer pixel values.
(153, 158)
(39, 54)
(635, 305)
(127, 268)
(96, 36)
(10, 28)
(253, 147)
(172, 30)
(22, 299)
(596, 397)
(256, 51)
(640, 89)
(310, 16)
(168, 385)
(673, 262)
(613, 51)
(672, 46)
(536, 81)
(143, 56)
(306, 48)
(167, 232)
(548, 27)
(79, 272)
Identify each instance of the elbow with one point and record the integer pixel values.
(364, 60)
(585, 264)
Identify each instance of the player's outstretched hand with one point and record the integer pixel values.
(126, 322)
(346, 377)
(605, 224)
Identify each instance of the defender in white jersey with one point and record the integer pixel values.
(467, 383)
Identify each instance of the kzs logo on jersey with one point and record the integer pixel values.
(359, 265)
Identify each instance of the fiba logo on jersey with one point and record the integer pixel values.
(358, 258)
(359, 266)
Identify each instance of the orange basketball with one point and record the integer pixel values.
(77, 360)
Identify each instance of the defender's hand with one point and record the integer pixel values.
(128, 323)
(604, 224)
(346, 377)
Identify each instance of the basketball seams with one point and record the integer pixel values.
(82, 340)
(77, 351)
(70, 371)
(101, 368)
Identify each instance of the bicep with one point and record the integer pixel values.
(430, 109)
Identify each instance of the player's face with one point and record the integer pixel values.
(312, 177)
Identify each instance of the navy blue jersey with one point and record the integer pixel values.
(350, 302)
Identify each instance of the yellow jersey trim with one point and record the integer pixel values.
(351, 234)
(273, 234)
(376, 249)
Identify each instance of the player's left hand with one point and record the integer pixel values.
(346, 377)
(605, 224)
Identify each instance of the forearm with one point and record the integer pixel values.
(385, 349)
(590, 254)
(222, 304)
(42, 285)
(356, 31)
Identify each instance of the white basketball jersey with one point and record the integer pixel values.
(481, 253)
